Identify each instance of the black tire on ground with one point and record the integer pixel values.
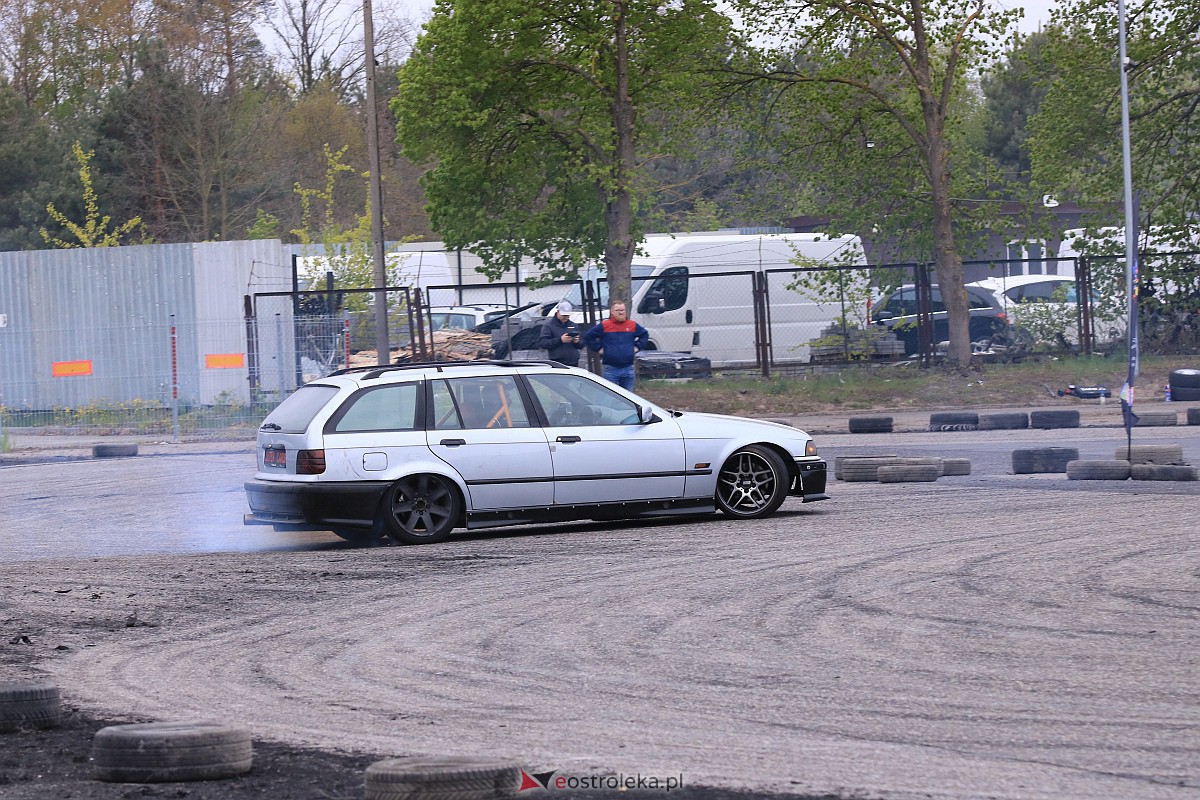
(908, 473)
(930, 461)
(421, 509)
(864, 469)
(1003, 422)
(956, 466)
(1043, 459)
(448, 778)
(1098, 470)
(1156, 419)
(870, 424)
(953, 421)
(1193, 416)
(1054, 418)
(29, 704)
(1182, 394)
(1184, 378)
(838, 461)
(166, 752)
(1163, 472)
(114, 450)
(1151, 454)
(753, 483)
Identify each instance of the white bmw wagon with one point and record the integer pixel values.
(415, 451)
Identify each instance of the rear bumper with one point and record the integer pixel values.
(313, 505)
(809, 485)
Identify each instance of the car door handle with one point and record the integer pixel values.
(452, 442)
(569, 439)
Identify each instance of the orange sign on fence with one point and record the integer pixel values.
(62, 369)
(224, 360)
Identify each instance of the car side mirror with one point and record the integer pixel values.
(646, 414)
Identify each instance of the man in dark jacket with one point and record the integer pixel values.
(618, 339)
(560, 337)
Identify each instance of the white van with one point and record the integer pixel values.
(694, 293)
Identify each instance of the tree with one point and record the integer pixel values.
(534, 112)
(94, 231)
(1013, 98)
(1076, 141)
(886, 83)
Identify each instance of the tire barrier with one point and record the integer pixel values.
(1193, 416)
(1184, 394)
(1184, 378)
(1098, 470)
(29, 704)
(1163, 472)
(1054, 418)
(114, 450)
(863, 468)
(1043, 459)
(956, 466)
(1151, 454)
(954, 421)
(1156, 419)
(1002, 422)
(441, 779)
(166, 752)
(870, 424)
(908, 473)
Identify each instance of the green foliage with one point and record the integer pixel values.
(94, 232)
(535, 114)
(1076, 140)
(266, 226)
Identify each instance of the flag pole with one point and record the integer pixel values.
(1131, 265)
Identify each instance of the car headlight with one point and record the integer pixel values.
(810, 448)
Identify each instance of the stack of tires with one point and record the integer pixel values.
(1185, 384)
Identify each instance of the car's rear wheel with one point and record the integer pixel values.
(752, 483)
(421, 509)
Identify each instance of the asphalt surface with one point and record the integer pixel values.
(985, 636)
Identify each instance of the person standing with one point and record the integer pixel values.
(560, 337)
(618, 339)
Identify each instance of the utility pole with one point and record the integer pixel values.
(383, 354)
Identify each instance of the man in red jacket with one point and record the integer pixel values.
(617, 339)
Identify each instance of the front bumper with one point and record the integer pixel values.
(809, 484)
(313, 505)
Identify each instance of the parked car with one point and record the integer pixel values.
(1047, 307)
(898, 312)
(415, 451)
(466, 317)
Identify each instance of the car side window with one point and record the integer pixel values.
(384, 408)
(576, 400)
(481, 402)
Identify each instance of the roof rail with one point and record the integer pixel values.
(375, 370)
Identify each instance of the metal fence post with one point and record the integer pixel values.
(174, 382)
(279, 352)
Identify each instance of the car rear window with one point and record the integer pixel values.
(299, 408)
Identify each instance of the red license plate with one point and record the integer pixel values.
(275, 458)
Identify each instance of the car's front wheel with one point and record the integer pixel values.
(421, 509)
(752, 483)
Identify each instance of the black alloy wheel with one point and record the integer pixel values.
(753, 483)
(421, 509)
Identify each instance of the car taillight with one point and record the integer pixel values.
(1002, 317)
(310, 462)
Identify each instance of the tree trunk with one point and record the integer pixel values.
(618, 207)
(947, 261)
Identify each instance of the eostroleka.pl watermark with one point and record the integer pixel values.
(555, 780)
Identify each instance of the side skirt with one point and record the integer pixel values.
(632, 510)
